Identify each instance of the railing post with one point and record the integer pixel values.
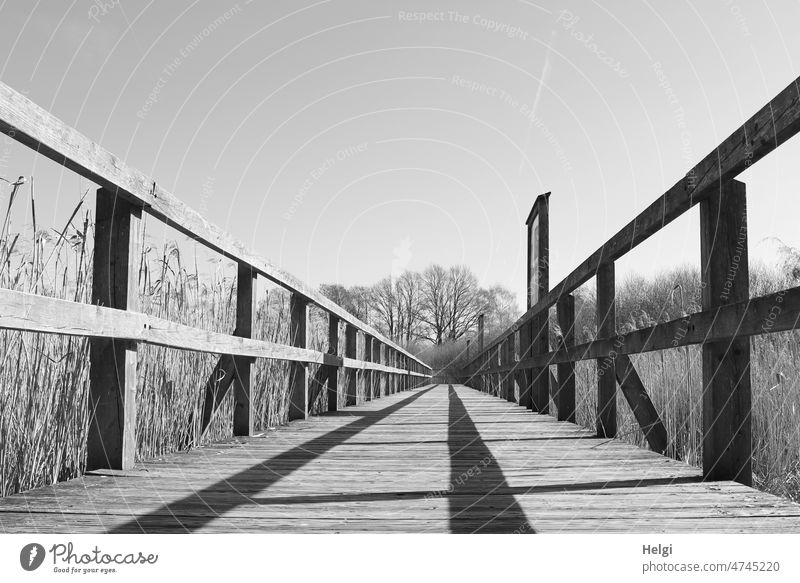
(368, 373)
(350, 336)
(538, 282)
(508, 376)
(298, 376)
(384, 376)
(524, 374)
(480, 333)
(565, 397)
(606, 373)
(376, 375)
(333, 371)
(727, 447)
(243, 365)
(111, 439)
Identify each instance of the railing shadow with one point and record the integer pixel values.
(479, 495)
(235, 491)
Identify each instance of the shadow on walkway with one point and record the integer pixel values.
(479, 496)
(193, 512)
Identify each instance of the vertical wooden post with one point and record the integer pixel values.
(298, 375)
(480, 333)
(538, 282)
(540, 377)
(333, 371)
(508, 376)
(243, 365)
(376, 375)
(565, 397)
(351, 394)
(727, 447)
(524, 374)
(606, 372)
(384, 378)
(111, 439)
(368, 373)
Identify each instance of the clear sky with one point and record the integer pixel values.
(347, 140)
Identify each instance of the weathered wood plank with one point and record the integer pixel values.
(643, 409)
(565, 396)
(298, 374)
(243, 365)
(771, 126)
(111, 440)
(727, 439)
(387, 466)
(606, 328)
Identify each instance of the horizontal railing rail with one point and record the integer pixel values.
(727, 319)
(115, 326)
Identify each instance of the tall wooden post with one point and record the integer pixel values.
(351, 394)
(298, 375)
(333, 371)
(384, 376)
(376, 375)
(244, 365)
(727, 447)
(480, 333)
(565, 397)
(508, 376)
(538, 272)
(111, 440)
(606, 372)
(367, 372)
(525, 379)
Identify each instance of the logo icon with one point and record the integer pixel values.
(31, 556)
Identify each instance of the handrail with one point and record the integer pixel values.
(115, 326)
(29, 124)
(727, 319)
(770, 127)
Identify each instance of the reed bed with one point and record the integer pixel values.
(44, 378)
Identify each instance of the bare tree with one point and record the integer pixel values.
(435, 312)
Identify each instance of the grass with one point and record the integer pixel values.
(44, 378)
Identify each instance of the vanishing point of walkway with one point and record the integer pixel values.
(437, 459)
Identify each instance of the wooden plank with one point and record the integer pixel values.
(29, 312)
(643, 409)
(565, 396)
(389, 467)
(298, 374)
(606, 328)
(215, 391)
(111, 441)
(727, 433)
(333, 371)
(776, 312)
(244, 365)
(771, 126)
(29, 124)
(524, 377)
(350, 351)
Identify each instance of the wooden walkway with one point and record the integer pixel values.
(436, 459)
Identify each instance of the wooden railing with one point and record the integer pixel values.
(115, 327)
(723, 327)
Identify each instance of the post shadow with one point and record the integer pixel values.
(480, 498)
(234, 491)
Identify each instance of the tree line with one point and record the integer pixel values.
(438, 305)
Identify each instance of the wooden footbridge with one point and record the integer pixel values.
(414, 456)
